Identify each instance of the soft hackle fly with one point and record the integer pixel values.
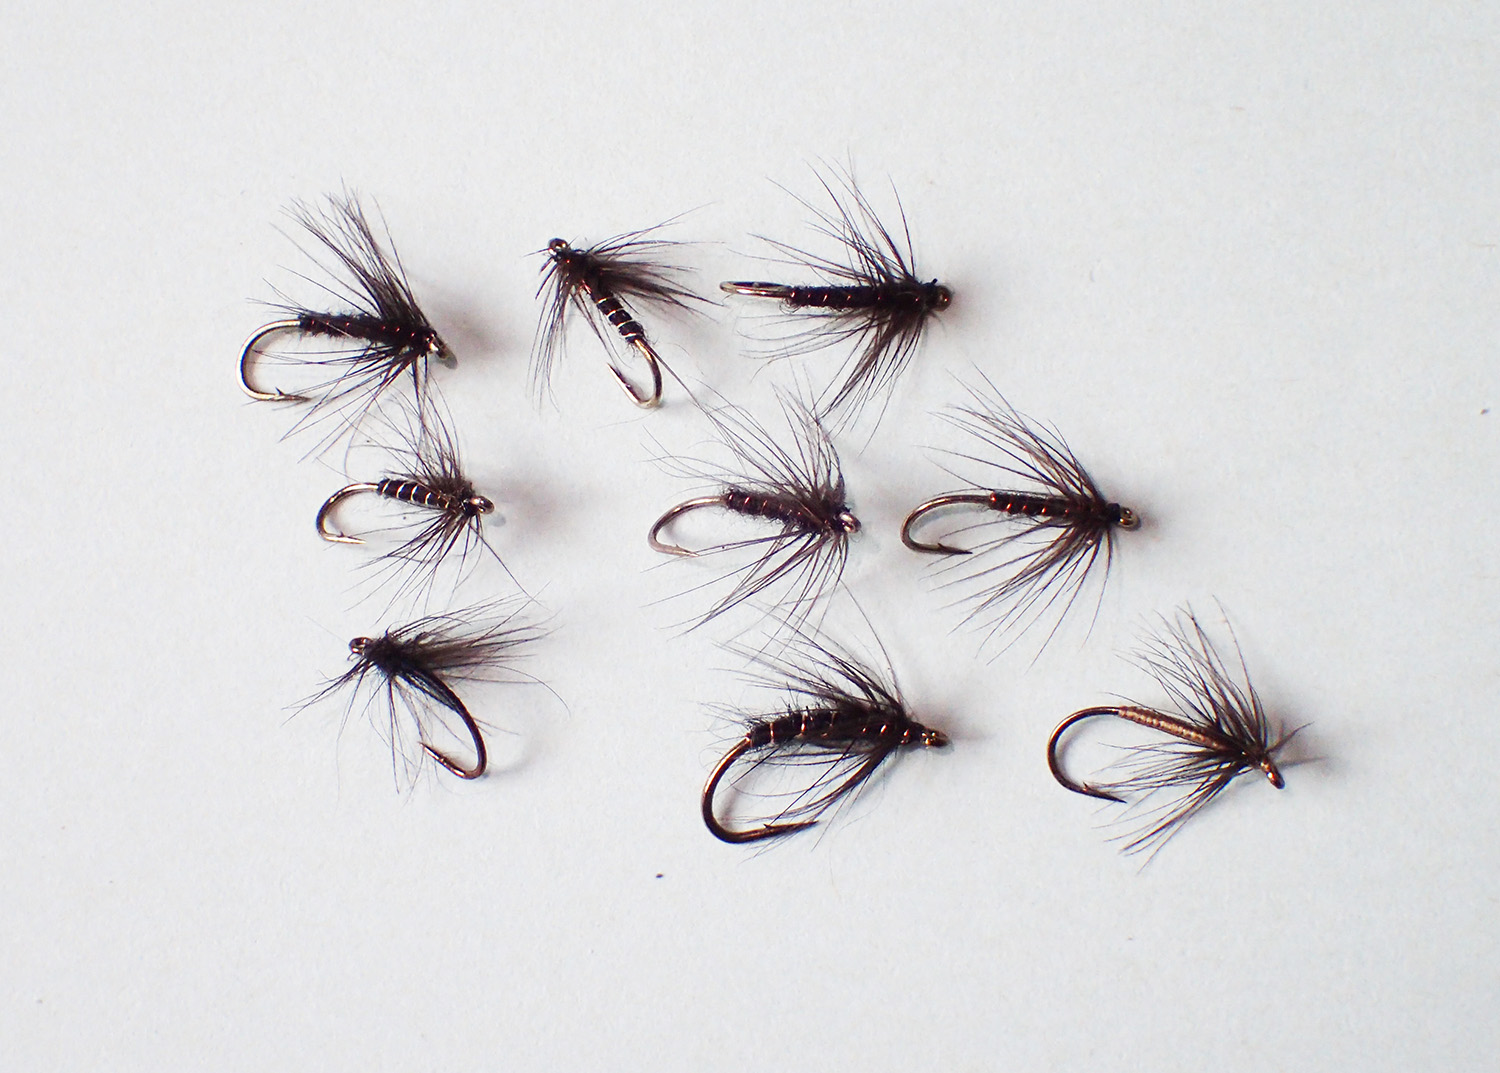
(433, 481)
(405, 675)
(1220, 731)
(381, 338)
(869, 296)
(839, 721)
(1052, 533)
(597, 281)
(799, 491)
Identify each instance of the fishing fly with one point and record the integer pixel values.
(379, 339)
(1220, 731)
(405, 676)
(869, 295)
(597, 281)
(1053, 533)
(432, 481)
(797, 491)
(837, 722)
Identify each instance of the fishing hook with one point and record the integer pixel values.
(1155, 720)
(403, 491)
(645, 402)
(666, 519)
(717, 829)
(948, 499)
(275, 394)
(438, 690)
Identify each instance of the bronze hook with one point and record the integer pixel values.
(1145, 717)
(331, 534)
(646, 402)
(724, 834)
(1057, 771)
(666, 519)
(948, 499)
(450, 700)
(275, 394)
(756, 289)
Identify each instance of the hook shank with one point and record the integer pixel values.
(1145, 717)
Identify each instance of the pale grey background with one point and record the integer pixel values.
(1248, 262)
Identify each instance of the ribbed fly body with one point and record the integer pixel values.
(414, 340)
(819, 516)
(581, 269)
(1085, 512)
(462, 501)
(910, 298)
(851, 723)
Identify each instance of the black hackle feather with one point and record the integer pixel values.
(836, 723)
(1044, 531)
(631, 268)
(380, 339)
(868, 297)
(797, 491)
(1217, 728)
(403, 680)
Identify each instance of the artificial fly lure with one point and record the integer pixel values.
(597, 281)
(1055, 532)
(1221, 732)
(381, 338)
(871, 298)
(434, 483)
(839, 721)
(413, 703)
(798, 491)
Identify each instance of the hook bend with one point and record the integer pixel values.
(725, 834)
(948, 499)
(247, 359)
(325, 527)
(645, 402)
(1056, 766)
(449, 699)
(654, 537)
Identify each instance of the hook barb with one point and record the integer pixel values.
(754, 834)
(948, 499)
(247, 359)
(654, 537)
(645, 402)
(325, 528)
